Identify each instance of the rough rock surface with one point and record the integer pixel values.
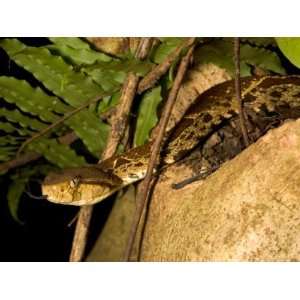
(248, 210)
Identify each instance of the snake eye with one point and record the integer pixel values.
(74, 182)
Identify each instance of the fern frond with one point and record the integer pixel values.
(76, 50)
(259, 41)
(31, 100)
(9, 140)
(7, 152)
(25, 121)
(72, 42)
(108, 102)
(110, 75)
(92, 131)
(262, 58)
(59, 154)
(55, 74)
(10, 128)
(167, 46)
(50, 69)
(8, 146)
(220, 52)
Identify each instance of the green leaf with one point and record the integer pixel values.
(18, 185)
(111, 75)
(59, 154)
(15, 191)
(74, 87)
(8, 140)
(9, 128)
(7, 152)
(31, 100)
(260, 41)
(108, 102)
(77, 51)
(290, 47)
(220, 52)
(24, 121)
(107, 79)
(147, 117)
(262, 58)
(167, 46)
(92, 131)
(73, 42)
(58, 76)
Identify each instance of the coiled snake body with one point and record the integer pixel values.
(93, 183)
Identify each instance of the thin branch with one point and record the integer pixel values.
(153, 76)
(238, 90)
(115, 136)
(142, 197)
(144, 48)
(60, 121)
(121, 117)
(81, 233)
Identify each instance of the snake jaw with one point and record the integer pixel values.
(83, 194)
(70, 188)
(80, 186)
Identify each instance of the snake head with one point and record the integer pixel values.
(80, 186)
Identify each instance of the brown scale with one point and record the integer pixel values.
(269, 93)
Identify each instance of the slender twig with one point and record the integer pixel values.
(238, 91)
(19, 161)
(153, 76)
(128, 93)
(144, 189)
(81, 233)
(144, 48)
(116, 134)
(61, 120)
(121, 117)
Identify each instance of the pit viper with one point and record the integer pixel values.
(93, 183)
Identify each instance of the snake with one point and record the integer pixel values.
(95, 182)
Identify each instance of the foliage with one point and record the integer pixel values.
(290, 47)
(59, 154)
(76, 51)
(19, 182)
(220, 52)
(68, 72)
(167, 46)
(147, 115)
(112, 74)
(259, 41)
